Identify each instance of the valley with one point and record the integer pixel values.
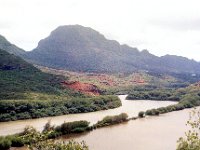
(82, 82)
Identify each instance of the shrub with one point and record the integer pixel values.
(5, 143)
(53, 134)
(152, 112)
(149, 112)
(191, 141)
(51, 145)
(79, 130)
(179, 107)
(156, 112)
(48, 127)
(109, 120)
(141, 114)
(162, 110)
(17, 142)
(73, 127)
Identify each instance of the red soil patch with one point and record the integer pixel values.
(85, 88)
(138, 80)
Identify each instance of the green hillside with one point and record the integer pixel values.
(26, 92)
(20, 80)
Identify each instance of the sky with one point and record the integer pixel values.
(160, 26)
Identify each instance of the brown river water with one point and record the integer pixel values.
(150, 133)
(130, 107)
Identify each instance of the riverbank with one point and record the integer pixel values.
(78, 127)
(130, 135)
(130, 107)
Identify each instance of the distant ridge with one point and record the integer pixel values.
(11, 48)
(78, 48)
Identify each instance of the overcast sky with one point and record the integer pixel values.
(161, 26)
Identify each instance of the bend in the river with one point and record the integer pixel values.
(130, 107)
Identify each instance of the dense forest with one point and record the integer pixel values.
(24, 109)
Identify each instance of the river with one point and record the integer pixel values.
(130, 107)
(150, 133)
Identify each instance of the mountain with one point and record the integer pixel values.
(11, 48)
(79, 48)
(182, 63)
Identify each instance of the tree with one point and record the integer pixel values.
(141, 114)
(48, 126)
(192, 139)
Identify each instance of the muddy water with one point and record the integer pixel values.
(130, 107)
(152, 133)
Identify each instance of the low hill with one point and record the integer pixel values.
(21, 80)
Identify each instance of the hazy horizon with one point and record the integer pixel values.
(162, 27)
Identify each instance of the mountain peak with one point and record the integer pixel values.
(77, 29)
(79, 48)
(145, 51)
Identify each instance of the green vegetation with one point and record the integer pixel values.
(161, 95)
(188, 101)
(187, 98)
(50, 145)
(72, 127)
(21, 80)
(24, 109)
(192, 139)
(26, 92)
(110, 120)
(4, 143)
(127, 83)
(35, 139)
(152, 112)
(141, 114)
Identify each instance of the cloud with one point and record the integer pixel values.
(5, 25)
(178, 24)
(162, 26)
